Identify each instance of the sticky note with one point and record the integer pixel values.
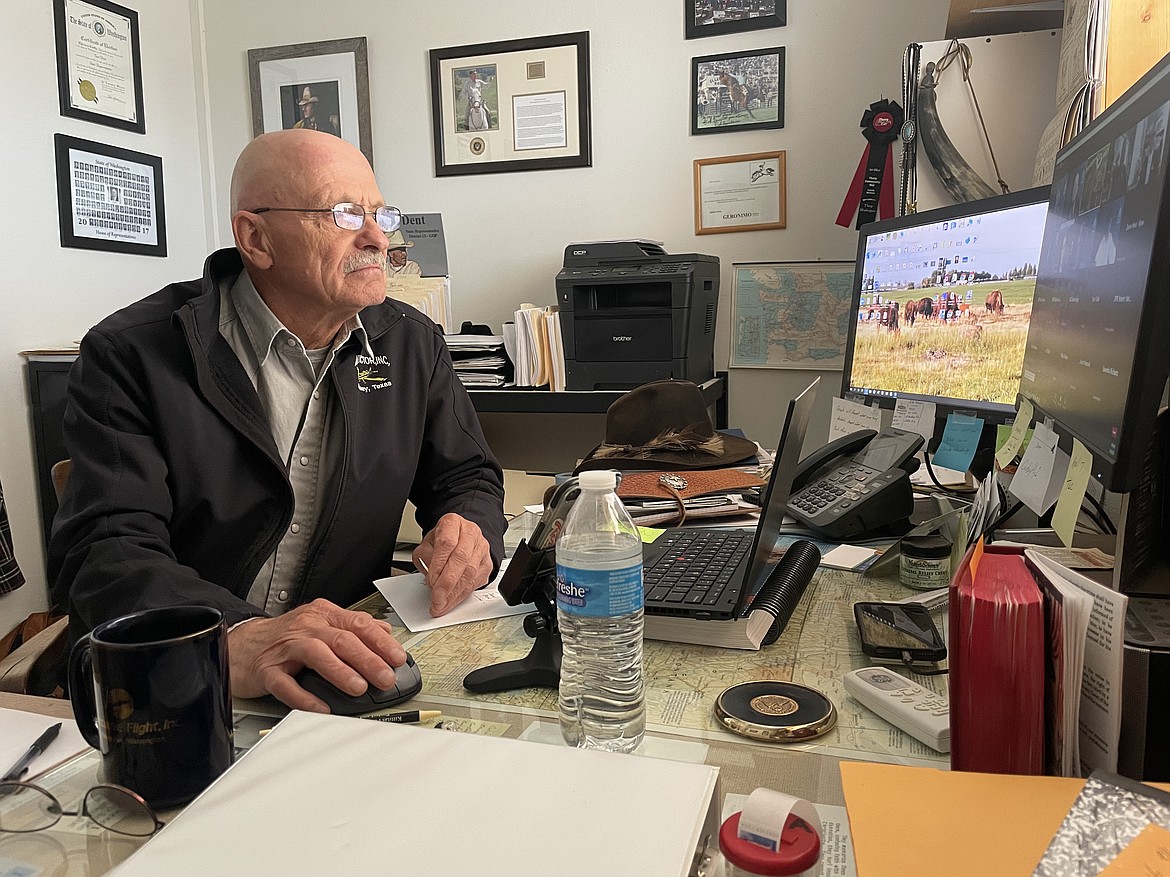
(1035, 474)
(1072, 493)
(913, 415)
(1012, 446)
(848, 417)
(959, 442)
(1003, 431)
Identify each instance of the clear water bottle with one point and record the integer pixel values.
(599, 611)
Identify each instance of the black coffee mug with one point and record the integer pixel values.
(151, 692)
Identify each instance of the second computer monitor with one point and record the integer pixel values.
(942, 302)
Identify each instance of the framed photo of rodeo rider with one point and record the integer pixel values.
(517, 105)
(323, 86)
(708, 18)
(737, 91)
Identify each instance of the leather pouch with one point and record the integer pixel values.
(685, 485)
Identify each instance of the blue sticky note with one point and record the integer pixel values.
(959, 441)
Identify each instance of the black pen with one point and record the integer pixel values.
(22, 765)
(408, 717)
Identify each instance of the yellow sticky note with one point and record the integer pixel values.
(1148, 855)
(649, 534)
(1011, 447)
(1072, 494)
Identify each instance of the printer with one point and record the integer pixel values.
(631, 313)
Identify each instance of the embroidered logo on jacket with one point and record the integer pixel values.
(370, 374)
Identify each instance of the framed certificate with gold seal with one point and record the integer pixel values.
(99, 63)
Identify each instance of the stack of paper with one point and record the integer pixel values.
(431, 295)
(332, 795)
(479, 360)
(538, 358)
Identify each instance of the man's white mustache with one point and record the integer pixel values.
(364, 260)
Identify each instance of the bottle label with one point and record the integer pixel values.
(599, 593)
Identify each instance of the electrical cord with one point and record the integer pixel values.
(951, 490)
(1109, 527)
(909, 662)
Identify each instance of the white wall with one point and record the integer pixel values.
(49, 294)
(506, 233)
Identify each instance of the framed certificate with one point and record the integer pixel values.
(517, 105)
(740, 193)
(99, 63)
(109, 198)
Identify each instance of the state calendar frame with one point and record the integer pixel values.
(109, 198)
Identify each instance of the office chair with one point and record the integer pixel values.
(36, 665)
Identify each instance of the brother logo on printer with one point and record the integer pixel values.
(623, 338)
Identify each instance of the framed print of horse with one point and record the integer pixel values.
(737, 91)
(706, 18)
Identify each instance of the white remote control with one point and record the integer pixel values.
(918, 711)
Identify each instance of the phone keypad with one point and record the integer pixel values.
(840, 490)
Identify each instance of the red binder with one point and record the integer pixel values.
(997, 649)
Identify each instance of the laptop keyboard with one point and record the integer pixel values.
(696, 569)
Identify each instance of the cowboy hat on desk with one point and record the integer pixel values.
(664, 425)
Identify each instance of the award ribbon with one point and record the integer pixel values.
(872, 189)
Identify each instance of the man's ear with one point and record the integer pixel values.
(252, 240)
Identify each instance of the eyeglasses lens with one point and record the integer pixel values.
(389, 218)
(119, 811)
(353, 216)
(24, 808)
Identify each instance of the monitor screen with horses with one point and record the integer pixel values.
(941, 305)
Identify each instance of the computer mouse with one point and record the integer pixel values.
(407, 684)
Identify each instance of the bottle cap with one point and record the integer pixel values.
(932, 545)
(597, 479)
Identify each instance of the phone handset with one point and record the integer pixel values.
(843, 446)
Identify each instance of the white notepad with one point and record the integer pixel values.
(332, 795)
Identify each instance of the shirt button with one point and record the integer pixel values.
(304, 461)
(316, 394)
(282, 596)
(296, 528)
(291, 342)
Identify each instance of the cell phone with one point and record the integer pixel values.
(894, 631)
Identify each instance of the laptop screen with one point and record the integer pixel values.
(775, 501)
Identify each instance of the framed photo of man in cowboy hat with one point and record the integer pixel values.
(324, 86)
(313, 105)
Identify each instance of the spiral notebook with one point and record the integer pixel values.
(688, 600)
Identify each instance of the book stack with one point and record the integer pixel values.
(533, 341)
(479, 360)
(1031, 691)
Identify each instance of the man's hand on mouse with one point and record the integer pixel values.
(457, 560)
(349, 649)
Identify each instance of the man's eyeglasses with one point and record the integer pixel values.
(349, 216)
(25, 808)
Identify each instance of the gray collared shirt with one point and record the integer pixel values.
(306, 425)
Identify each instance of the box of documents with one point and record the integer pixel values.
(333, 795)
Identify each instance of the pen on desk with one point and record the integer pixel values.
(408, 717)
(36, 750)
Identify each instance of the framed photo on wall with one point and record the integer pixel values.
(737, 91)
(517, 105)
(741, 193)
(109, 198)
(324, 86)
(707, 18)
(99, 63)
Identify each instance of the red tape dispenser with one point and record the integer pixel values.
(774, 834)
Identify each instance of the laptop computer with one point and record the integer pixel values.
(710, 574)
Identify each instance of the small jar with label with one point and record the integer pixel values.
(925, 562)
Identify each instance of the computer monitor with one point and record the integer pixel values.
(942, 302)
(1098, 351)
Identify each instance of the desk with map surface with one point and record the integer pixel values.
(816, 649)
